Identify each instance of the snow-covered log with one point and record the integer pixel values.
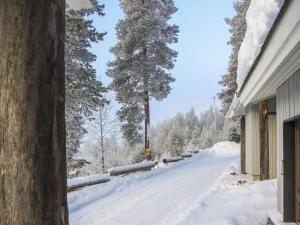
(77, 186)
(80, 182)
(186, 155)
(193, 151)
(172, 159)
(122, 170)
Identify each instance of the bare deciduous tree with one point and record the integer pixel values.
(104, 124)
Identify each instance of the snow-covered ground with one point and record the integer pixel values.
(204, 190)
(233, 200)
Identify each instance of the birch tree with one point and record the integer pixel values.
(104, 125)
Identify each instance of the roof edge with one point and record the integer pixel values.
(266, 43)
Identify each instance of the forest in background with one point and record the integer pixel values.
(99, 135)
(183, 132)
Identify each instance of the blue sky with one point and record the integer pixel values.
(202, 48)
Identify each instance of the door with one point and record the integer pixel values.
(297, 172)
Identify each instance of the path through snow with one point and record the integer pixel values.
(157, 197)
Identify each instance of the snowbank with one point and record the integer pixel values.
(260, 18)
(233, 201)
(86, 196)
(276, 218)
(225, 148)
(157, 196)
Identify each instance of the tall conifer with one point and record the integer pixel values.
(143, 58)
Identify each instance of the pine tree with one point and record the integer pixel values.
(195, 140)
(142, 60)
(175, 142)
(237, 29)
(191, 123)
(84, 93)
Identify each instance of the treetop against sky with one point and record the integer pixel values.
(202, 59)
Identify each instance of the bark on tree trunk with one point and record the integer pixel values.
(102, 141)
(147, 125)
(243, 145)
(264, 143)
(147, 150)
(32, 121)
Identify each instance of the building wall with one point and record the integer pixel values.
(78, 4)
(272, 131)
(288, 106)
(252, 141)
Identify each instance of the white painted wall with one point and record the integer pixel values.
(273, 76)
(78, 4)
(288, 106)
(272, 131)
(252, 140)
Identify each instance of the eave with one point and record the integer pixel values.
(236, 108)
(78, 4)
(278, 60)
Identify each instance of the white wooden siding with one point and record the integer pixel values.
(78, 4)
(252, 141)
(272, 130)
(288, 106)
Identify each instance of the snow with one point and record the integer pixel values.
(260, 18)
(277, 218)
(158, 196)
(80, 180)
(233, 200)
(206, 189)
(225, 148)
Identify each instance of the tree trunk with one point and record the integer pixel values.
(147, 125)
(147, 150)
(32, 121)
(102, 141)
(264, 143)
(243, 145)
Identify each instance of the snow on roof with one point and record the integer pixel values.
(260, 18)
(78, 4)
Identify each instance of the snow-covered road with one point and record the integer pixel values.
(157, 197)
